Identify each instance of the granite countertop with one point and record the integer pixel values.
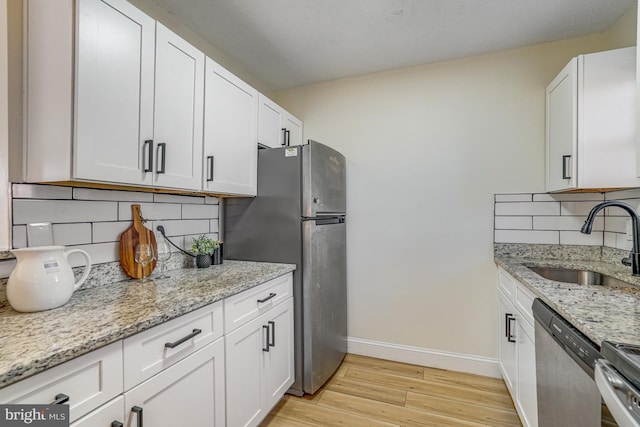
(97, 316)
(599, 312)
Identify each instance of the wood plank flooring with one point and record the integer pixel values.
(372, 392)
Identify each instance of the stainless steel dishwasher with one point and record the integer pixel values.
(565, 360)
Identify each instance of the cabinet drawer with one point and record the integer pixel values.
(524, 301)
(104, 415)
(148, 352)
(247, 305)
(507, 284)
(89, 381)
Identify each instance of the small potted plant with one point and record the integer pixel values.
(203, 248)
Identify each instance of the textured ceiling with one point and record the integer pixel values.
(289, 43)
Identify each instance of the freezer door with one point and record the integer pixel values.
(324, 295)
(323, 180)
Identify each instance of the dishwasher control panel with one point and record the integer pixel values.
(577, 345)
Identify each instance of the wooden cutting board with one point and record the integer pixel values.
(129, 239)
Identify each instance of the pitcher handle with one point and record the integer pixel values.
(87, 267)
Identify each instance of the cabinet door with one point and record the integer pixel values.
(104, 415)
(526, 399)
(562, 129)
(179, 104)
(278, 361)
(114, 92)
(271, 123)
(230, 133)
(244, 349)
(189, 393)
(507, 344)
(293, 127)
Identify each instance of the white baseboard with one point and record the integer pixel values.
(478, 365)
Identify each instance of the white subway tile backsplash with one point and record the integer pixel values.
(26, 211)
(530, 208)
(633, 193)
(19, 237)
(617, 224)
(513, 222)
(616, 211)
(94, 219)
(576, 208)
(609, 227)
(617, 240)
(175, 198)
(72, 234)
(577, 238)
(513, 197)
(99, 253)
(610, 239)
(33, 191)
(109, 231)
(115, 195)
(150, 211)
(528, 236)
(182, 227)
(570, 223)
(569, 197)
(199, 211)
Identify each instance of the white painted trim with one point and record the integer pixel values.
(479, 365)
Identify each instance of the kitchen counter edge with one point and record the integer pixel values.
(599, 312)
(95, 317)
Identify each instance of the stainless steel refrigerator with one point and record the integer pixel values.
(298, 217)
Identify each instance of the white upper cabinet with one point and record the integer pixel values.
(230, 133)
(178, 112)
(114, 100)
(139, 97)
(276, 126)
(126, 131)
(590, 123)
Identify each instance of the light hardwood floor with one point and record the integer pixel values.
(372, 392)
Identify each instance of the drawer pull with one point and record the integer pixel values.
(138, 411)
(60, 399)
(266, 347)
(271, 295)
(116, 424)
(181, 340)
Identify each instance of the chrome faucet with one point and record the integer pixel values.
(634, 256)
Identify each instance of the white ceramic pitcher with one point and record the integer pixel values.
(43, 278)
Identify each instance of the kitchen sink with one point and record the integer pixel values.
(580, 277)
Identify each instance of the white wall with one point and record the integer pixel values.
(427, 148)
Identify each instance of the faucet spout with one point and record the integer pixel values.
(635, 221)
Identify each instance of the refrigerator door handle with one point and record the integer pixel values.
(325, 219)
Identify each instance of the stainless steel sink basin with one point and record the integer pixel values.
(580, 277)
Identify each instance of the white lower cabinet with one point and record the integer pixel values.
(189, 393)
(175, 374)
(260, 365)
(517, 356)
(83, 383)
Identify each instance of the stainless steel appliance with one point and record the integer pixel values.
(298, 217)
(618, 379)
(565, 360)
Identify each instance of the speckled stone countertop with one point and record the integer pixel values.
(599, 312)
(97, 316)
